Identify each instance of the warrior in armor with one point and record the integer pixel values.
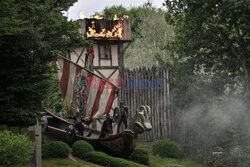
(106, 127)
(122, 113)
(78, 123)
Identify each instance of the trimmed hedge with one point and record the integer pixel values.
(80, 149)
(106, 160)
(15, 150)
(45, 149)
(56, 149)
(140, 155)
(166, 148)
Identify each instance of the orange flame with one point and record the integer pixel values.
(82, 15)
(123, 17)
(116, 17)
(116, 32)
(98, 16)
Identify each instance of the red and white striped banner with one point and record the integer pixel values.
(83, 91)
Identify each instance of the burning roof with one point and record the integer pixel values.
(103, 29)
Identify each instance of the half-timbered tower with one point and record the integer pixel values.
(106, 56)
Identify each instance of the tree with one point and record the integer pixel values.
(150, 33)
(214, 36)
(30, 32)
(211, 77)
(110, 12)
(53, 100)
(150, 47)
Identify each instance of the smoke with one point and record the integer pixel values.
(221, 124)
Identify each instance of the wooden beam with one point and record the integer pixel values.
(75, 53)
(80, 55)
(112, 73)
(100, 73)
(69, 55)
(82, 61)
(106, 67)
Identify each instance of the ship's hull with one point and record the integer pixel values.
(121, 144)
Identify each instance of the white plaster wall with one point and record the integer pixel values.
(105, 62)
(114, 52)
(74, 57)
(96, 59)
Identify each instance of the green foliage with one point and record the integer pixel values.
(53, 100)
(149, 48)
(219, 160)
(67, 163)
(211, 77)
(56, 149)
(140, 155)
(150, 33)
(81, 148)
(30, 33)
(213, 36)
(106, 160)
(166, 148)
(174, 165)
(45, 149)
(110, 12)
(156, 161)
(14, 149)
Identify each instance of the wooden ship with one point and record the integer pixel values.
(90, 80)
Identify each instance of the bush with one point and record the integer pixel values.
(166, 148)
(45, 149)
(140, 155)
(106, 160)
(56, 149)
(221, 159)
(15, 150)
(80, 148)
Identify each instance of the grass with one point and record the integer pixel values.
(156, 161)
(67, 163)
(145, 145)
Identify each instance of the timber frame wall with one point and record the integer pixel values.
(159, 99)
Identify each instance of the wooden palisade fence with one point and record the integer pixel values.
(150, 86)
